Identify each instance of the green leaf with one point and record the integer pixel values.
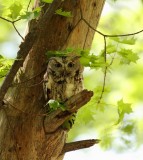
(47, 1)
(85, 61)
(27, 15)
(106, 140)
(123, 108)
(54, 105)
(128, 55)
(15, 10)
(5, 65)
(58, 53)
(128, 129)
(111, 49)
(133, 57)
(63, 13)
(125, 40)
(31, 15)
(37, 11)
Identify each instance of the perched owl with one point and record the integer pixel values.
(63, 78)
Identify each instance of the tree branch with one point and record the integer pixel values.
(58, 117)
(72, 146)
(17, 31)
(28, 5)
(25, 47)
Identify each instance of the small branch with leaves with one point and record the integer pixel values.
(55, 119)
(105, 36)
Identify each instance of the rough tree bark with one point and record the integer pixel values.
(22, 132)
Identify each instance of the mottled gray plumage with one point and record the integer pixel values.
(63, 78)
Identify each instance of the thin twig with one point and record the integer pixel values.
(13, 23)
(123, 35)
(105, 49)
(9, 20)
(5, 19)
(105, 72)
(16, 20)
(103, 86)
(111, 61)
(109, 35)
(79, 145)
(28, 5)
(17, 31)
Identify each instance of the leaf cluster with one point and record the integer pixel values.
(120, 47)
(87, 59)
(53, 105)
(16, 10)
(5, 65)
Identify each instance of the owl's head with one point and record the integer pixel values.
(67, 66)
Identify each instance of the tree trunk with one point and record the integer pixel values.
(23, 135)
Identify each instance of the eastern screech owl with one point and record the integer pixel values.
(63, 78)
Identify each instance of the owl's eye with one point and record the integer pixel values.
(58, 65)
(71, 64)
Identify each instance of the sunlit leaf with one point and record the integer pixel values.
(47, 1)
(31, 15)
(106, 140)
(63, 13)
(27, 15)
(54, 105)
(15, 10)
(128, 55)
(123, 108)
(111, 49)
(128, 129)
(125, 40)
(5, 65)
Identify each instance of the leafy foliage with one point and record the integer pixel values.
(54, 105)
(118, 49)
(128, 56)
(5, 65)
(63, 13)
(47, 1)
(18, 10)
(31, 15)
(15, 10)
(86, 58)
(125, 40)
(123, 108)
